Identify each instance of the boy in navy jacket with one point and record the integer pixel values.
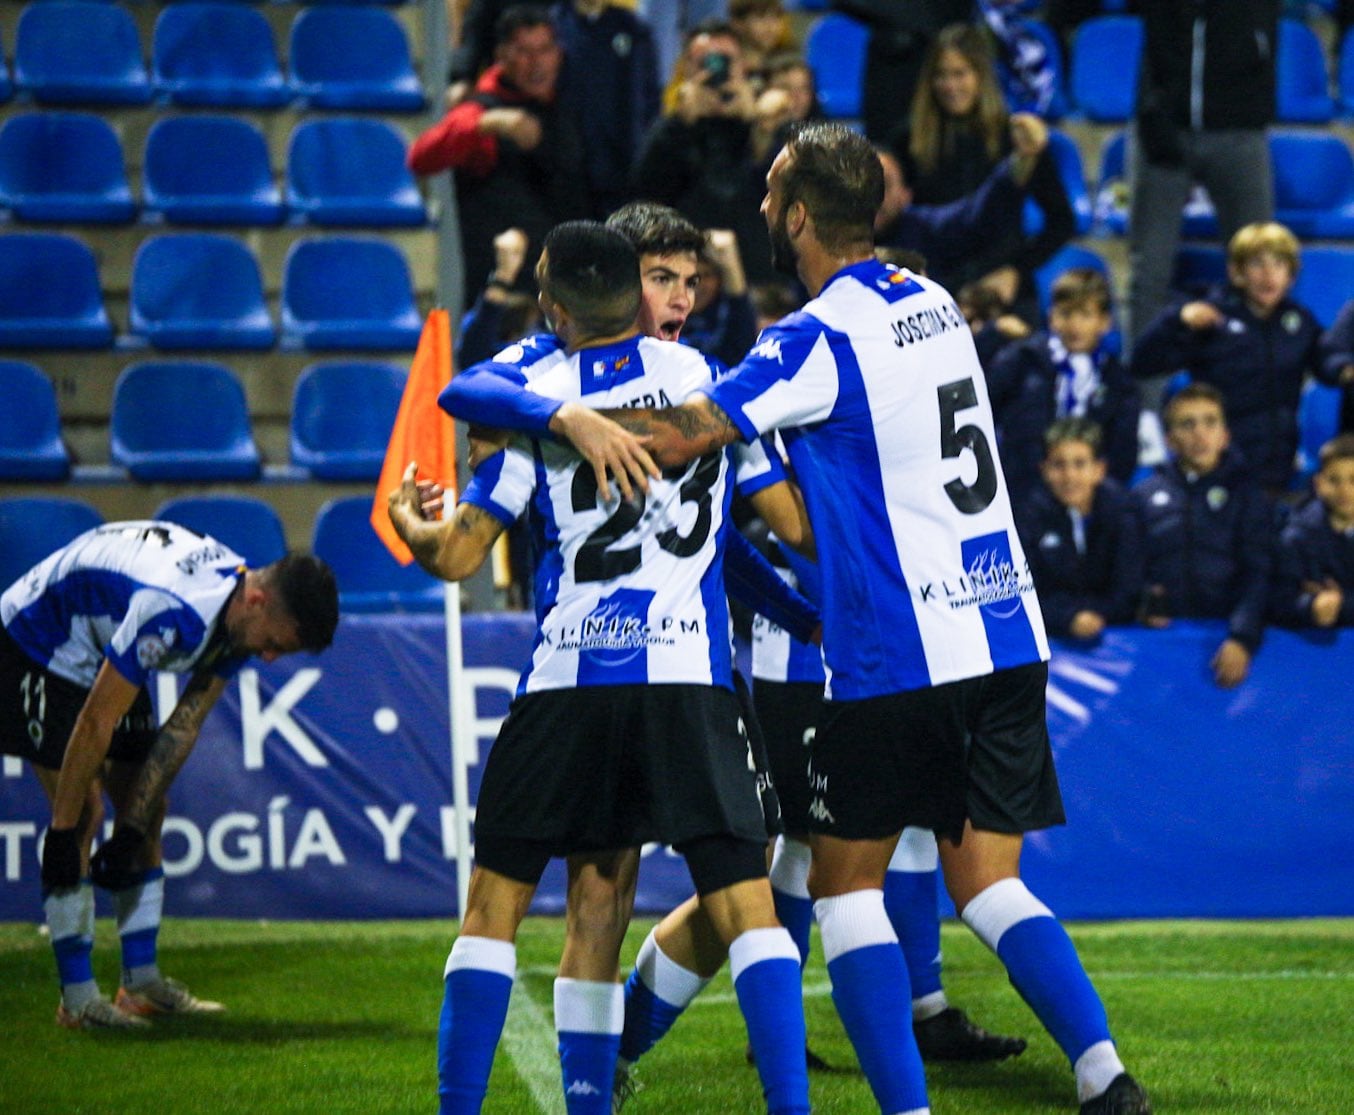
(1207, 533)
(1314, 581)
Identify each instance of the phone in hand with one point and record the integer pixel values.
(716, 66)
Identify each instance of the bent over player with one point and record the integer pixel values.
(625, 728)
(82, 632)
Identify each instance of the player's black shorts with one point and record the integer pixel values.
(761, 762)
(788, 712)
(601, 767)
(38, 711)
(976, 749)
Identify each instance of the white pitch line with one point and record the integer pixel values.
(529, 1040)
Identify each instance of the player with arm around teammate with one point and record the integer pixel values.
(82, 632)
(930, 620)
(625, 727)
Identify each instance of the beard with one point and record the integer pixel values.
(783, 257)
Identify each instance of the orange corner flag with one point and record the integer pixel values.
(423, 431)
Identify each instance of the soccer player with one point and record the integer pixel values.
(625, 728)
(82, 632)
(932, 634)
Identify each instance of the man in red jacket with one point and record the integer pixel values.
(515, 148)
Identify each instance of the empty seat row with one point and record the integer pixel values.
(88, 52)
(369, 579)
(1313, 188)
(205, 291)
(341, 171)
(189, 422)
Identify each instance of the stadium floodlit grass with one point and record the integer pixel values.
(1215, 1017)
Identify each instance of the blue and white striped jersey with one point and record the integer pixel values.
(879, 396)
(145, 595)
(776, 654)
(626, 592)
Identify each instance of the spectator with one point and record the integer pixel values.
(1252, 342)
(793, 76)
(1337, 363)
(993, 326)
(1081, 536)
(900, 34)
(515, 149)
(773, 301)
(611, 79)
(1314, 581)
(1205, 100)
(723, 321)
(763, 31)
(500, 313)
(701, 157)
(1068, 372)
(473, 51)
(1207, 533)
(672, 21)
(957, 133)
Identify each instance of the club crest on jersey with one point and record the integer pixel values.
(150, 651)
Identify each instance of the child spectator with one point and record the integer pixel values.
(1081, 536)
(1314, 581)
(764, 30)
(1252, 342)
(1337, 362)
(993, 327)
(501, 313)
(1068, 372)
(1207, 533)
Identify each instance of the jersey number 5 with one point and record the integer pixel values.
(954, 439)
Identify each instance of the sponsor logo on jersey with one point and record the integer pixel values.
(200, 557)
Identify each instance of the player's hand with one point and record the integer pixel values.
(485, 442)
(61, 859)
(1327, 600)
(1201, 315)
(1086, 625)
(117, 863)
(413, 500)
(611, 449)
(1231, 664)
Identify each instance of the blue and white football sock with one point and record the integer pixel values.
(764, 964)
(869, 981)
(656, 993)
(139, 910)
(70, 927)
(911, 890)
(588, 1020)
(1044, 967)
(790, 891)
(479, 976)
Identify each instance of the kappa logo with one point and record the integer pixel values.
(820, 812)
(583, 1088)
(768, 349)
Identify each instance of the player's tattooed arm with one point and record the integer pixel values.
(172, 746)
(451, 549)
(676, 435)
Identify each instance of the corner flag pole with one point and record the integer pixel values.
(424, 433)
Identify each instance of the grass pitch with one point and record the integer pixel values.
(1214, 1017)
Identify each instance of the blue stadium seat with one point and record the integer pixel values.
(341, 418)
(183, 422)
(1103, 76)
(1302, 85)
(1068, 161)
(1325, 281)
(369, 579)
(234, 186)
(246, 524)
(1313, 184)
(79, 52)
(199, 290)
(63, 166)
(1318, 422)
(49, 293)
(1198, 267)
(348, 171)
(217, 54)
(348, 293)
(1345, 74)
(31, 527)
(835, 50)
(6, 85)
(30, 428)
(353, 57)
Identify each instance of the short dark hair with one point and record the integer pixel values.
(518, 16)
(1193, 392)
(715, 27)
(1339, 448)
(309, 593)
(1079, 286)
(1074, 429)
(593, 272)
(834, 172)
(655, 229)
